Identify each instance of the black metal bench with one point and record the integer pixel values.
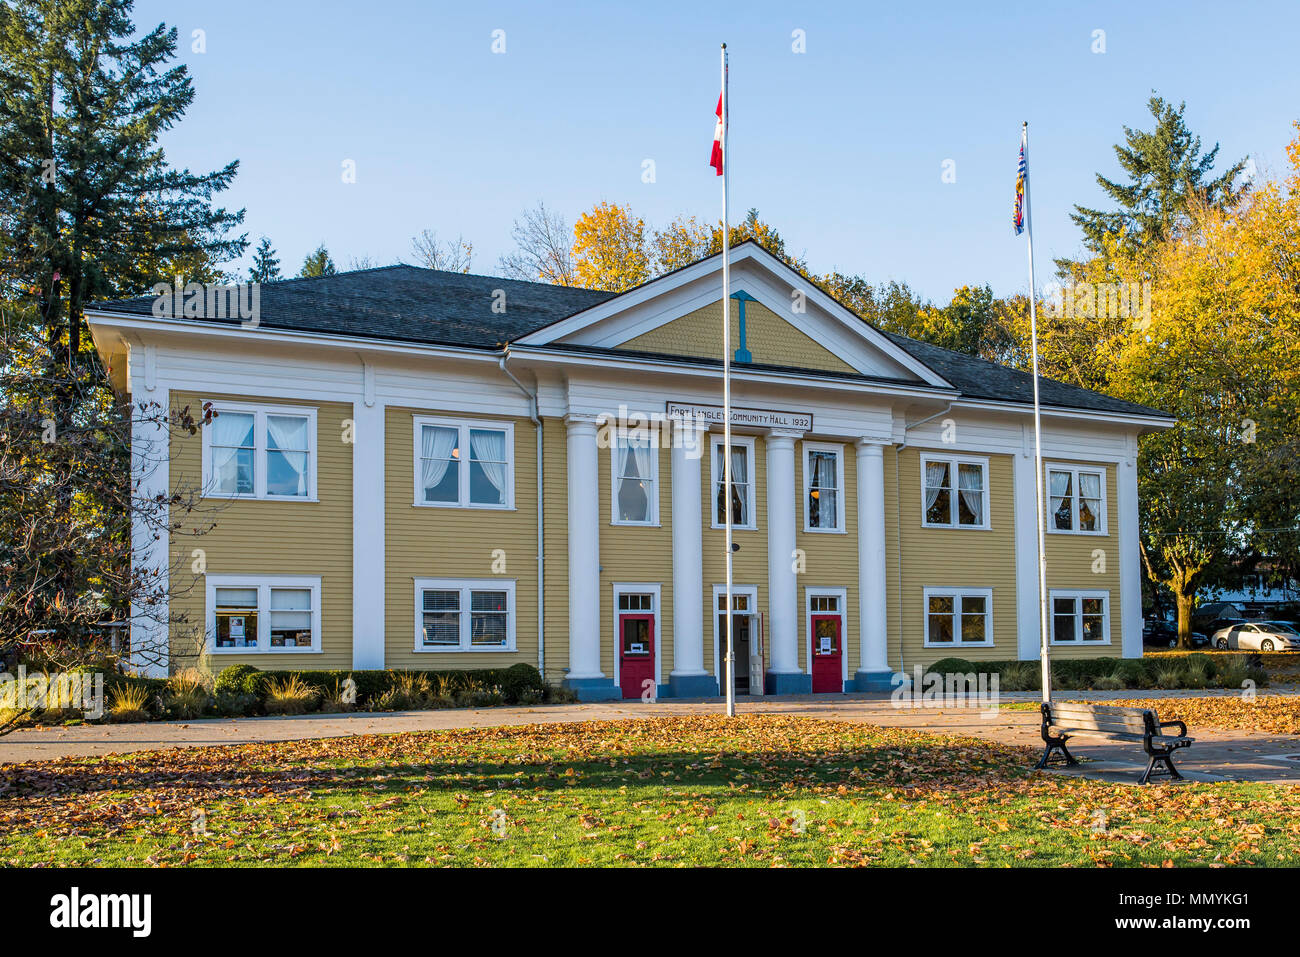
(1066, 719)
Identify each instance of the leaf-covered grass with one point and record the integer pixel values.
(1266, 714)
(755, 791)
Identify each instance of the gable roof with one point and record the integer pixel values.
(403, 303)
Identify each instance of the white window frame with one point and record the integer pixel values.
(751, 499)
(1078, 594)
(958, 594)
(465, 586)
(652, 520)
(1074, 470)
(808, 449)
(263, 584)
(843, 595)
(464, 425)
(954, 461)
(259, 413)
(655, 590)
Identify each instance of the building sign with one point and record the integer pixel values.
(754, 418)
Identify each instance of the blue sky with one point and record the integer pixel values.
(841, 147)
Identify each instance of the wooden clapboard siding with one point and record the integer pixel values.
(1070, 565)
(770, 339)
(831, 557)
(632, 553)
(955, 558)
(254, 537)
(556, 503)
(422, 542)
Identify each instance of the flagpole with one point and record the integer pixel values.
(1043, 620)
(726, 391)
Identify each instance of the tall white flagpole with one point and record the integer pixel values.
(1039, 481)
(726, 390)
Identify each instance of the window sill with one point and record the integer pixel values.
(476, 508)
(958, 528)
(825, 531)
(1061, 531)
(1077, 644)
(263, 651)
(735, 528)
(959, 644)
(259, 498)
(493, 650)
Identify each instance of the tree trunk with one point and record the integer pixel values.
(1184, 600)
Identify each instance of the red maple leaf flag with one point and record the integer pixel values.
(716, 160)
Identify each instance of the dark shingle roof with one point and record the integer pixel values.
(408, 304)
(981, 379)
(412, 304)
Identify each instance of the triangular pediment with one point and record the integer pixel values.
(788, 322)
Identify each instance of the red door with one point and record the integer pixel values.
(636, 649)
(827, 671)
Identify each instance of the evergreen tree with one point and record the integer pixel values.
(1166, 172)
(266, 265)
(318, 264)
(90, 207)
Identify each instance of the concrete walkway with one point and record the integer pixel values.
(1216, 756)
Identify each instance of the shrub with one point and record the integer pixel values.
(332, 701)
(558, 694)
(952, 666)
(531, 696)
(519, 680)
(234, 704)
(186, 695)
(1201, 662)
(1111, 682)
(128, 702)
(1169, 677)
(1134, 673)
(290, 695)
(1020, 676)
(241, 679)
(1193, 677)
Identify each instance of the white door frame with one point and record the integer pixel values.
(718, 592)
(639, 588)
(843, 595)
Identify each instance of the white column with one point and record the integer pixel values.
(1025, 505)
(584, 550)
(368, 553)
(1130, 569)
(782, 582)
(873, 671)
(688, 677)
(150, 538)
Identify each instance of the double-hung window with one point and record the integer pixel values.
(823, 479)
(1076, 499)
(1080, 618)
(455, 614)
(264, 452)
(464, 464)
(741, 499)
(635, 471)
(955, 492)
(258, 614)
(958, 617)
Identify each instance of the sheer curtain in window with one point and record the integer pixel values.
(826, 481)
(1059, 490)
(232, 452)
(936, 475)
(436, 444)
(286, 455)
(489, 451)
(970, 481)
(1090, 504)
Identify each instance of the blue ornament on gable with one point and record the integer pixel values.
(742, 354)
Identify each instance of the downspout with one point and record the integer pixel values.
(541, 550)
(898, 524)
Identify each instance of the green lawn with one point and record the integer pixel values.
(753, 791)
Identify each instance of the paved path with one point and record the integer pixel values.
(1216, 756)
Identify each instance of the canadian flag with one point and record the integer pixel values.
(716, 160)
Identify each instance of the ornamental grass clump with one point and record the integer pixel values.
(290, 695)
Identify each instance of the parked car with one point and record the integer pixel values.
(1258, 636)
(1164, 634)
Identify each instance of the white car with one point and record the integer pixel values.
(1258, 636)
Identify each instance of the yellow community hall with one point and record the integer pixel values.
(417, 469)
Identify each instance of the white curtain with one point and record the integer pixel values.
(489, 450)
(436, 444)
(825, 478)
(971, 483)
(230, 432)
(1090, 506)
(288, 439)
(641, 452)
(1059, 490)
(936, 477)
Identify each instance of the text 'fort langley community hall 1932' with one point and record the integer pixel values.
(427, 470)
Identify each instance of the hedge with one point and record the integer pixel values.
(1081, 673)
(514, 681)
